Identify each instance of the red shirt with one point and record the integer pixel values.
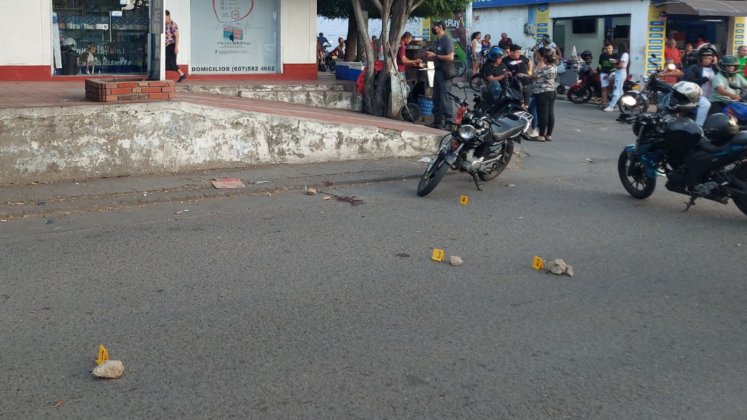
(402, 52)
(674, 54)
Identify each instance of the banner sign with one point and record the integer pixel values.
(235, 37)
(482, 4)
(739, 23)
(656, 37)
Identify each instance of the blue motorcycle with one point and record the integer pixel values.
(708, 163)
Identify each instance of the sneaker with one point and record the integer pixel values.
(533, 133)
(609, 109)
(182, 77)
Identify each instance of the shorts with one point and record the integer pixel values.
(604, 79)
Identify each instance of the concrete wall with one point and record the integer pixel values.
(510, 20)
(55, 144)
(26, 31)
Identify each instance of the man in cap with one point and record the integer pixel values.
(443, 55)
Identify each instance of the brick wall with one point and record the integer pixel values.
(118, 90)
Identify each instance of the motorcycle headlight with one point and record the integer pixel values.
(467, 132)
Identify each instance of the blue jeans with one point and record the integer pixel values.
(533, 110)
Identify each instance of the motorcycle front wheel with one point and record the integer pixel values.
(433, 175)
(579, 95)
(497, 167)
(740, 202)
(633, 177)
(641, 104)
(461, 67)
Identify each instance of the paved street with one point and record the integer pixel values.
(292, 306)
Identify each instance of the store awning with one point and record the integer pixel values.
(705, 7)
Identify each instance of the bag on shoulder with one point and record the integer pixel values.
(449, 70)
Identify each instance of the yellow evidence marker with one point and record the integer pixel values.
(438, 255)
(103, 355)
(464, 200)
(538, 263)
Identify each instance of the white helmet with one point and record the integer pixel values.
(685, 96)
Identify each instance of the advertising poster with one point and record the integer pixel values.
(542, 20)
(235, 36)
(739, 22)
(656, 37)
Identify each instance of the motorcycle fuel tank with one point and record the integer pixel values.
(681, 133)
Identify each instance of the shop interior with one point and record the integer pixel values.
(686, 30)
(102, 36)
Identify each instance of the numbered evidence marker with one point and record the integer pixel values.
(464, 200)
(438, 255)
(103, 355)
(538, 263)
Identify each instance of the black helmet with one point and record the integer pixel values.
(586, 55)
(707, 49)
(720, 128)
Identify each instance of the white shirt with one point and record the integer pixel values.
(706, 87)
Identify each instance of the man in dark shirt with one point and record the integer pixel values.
(505, 42)
(606, 67)
(443, 55)
(520, 66)
(495, 72)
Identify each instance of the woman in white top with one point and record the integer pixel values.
(476, 49)
(621, 74)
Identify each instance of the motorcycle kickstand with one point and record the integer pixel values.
(477, 184)
(690, 203)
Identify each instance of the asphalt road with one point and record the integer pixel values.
(292, 306)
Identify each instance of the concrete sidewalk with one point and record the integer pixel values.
(57, 199)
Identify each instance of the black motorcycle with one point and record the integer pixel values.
(478, 144)
(668, 143)
(653, 90)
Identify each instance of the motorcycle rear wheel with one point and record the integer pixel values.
(461, 67)
(740, 202)
(579, 95)
(633, 177)
(497, 167)
(433, 175)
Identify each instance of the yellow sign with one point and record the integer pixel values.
(438, 255)
(542, 21)
(655, 38)
(538, 263)
(103, 355)
(739, 27)
(464, 200)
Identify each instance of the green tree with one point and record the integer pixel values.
(394, 15)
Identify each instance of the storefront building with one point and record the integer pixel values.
(242, 39)
(642, 25)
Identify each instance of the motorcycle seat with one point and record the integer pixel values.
(507, 127)
(739, 139)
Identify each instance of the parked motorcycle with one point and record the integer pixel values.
(668, 143)
(478, 144)
(651, 93)
(588, 86)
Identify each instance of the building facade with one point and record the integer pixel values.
(644, 25)
(244, 39)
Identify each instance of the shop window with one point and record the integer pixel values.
(102, 36)
(585, 26)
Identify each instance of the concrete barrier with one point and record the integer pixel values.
(69, 143)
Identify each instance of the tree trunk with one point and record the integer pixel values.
(351, 43)
(362, 23)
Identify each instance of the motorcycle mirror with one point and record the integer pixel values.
(628, 100)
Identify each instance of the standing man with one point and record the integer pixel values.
(443, 56)
(621, 74)
(505, 43)
(605, 70)
(671, 52)
(172, 46)
(521, 67)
